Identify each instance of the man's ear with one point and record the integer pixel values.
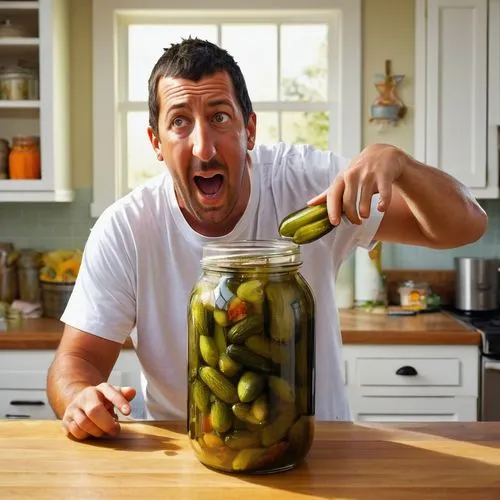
(251, 131)
(155, 142)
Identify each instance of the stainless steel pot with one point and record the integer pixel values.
(476, 284)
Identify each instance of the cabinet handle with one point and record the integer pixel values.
(13, 417)
(407, 371)
(27, 402)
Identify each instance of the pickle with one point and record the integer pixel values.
(228, 366)
(250, 386)
(209, 351)
(201, 396)
(220, 338)
(248, 458)
(221, 416)
(260, 408)
(245, 328)
(251, 291)
(199, 317)
(247, 358)
(239, 440)
(281, 388)
(313, 231)
(291, 223)
(219, 384)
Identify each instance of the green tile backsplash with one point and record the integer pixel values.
(47, 226)
(412, 257)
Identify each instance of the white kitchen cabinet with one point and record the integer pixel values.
(48, 116)
(412, 383)
(23, 375)
(454, 130)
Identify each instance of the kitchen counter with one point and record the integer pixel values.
(39, 333)
(358, 327)
(154, 460)
(436, 328)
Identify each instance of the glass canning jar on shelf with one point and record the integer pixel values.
(24, 158)
(251, 358)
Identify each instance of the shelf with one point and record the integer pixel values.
(32, 191)
(19, 104)
(19, 41)
(19, 5)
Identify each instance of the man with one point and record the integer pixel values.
(142, 257)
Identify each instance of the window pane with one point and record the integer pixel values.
(308, 127)
(141, 160)
(254, 47)
(146, 44)
(304, 62)
(267, 127)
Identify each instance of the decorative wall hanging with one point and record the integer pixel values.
(388, 108)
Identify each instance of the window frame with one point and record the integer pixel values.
(110, 19)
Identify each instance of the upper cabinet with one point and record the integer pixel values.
(34, 100)
(456, 110)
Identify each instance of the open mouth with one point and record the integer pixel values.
(209, 186)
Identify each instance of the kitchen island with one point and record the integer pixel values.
(153, 460)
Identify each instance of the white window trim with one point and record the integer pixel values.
(106, 125)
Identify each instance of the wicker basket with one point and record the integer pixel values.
(55, 297)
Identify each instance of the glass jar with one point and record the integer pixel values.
(24, 158)
(28, 268)
(14, 83)
(251, 358)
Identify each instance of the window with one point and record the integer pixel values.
(295, 64)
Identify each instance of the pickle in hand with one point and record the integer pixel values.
(306, 225)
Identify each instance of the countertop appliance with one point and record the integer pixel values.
(488, 324)
(476, 284)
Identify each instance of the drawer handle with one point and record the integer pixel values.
(407, 371)
(27, 402)
(13, 417)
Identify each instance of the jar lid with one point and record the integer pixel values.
(249, 254)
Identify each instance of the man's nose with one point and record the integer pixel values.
(203, 143)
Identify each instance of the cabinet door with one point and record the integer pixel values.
(456, 88)
(409, 409)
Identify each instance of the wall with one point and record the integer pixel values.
(46, 226)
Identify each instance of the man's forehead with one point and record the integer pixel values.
(218, 83)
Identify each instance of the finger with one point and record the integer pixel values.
(128, 392)
(103, 418)
(73, 430)
(85, 424)
(334, 200)
(367, 190)
(115, 396)
(385, 191)
(350, 198)
(319, 198)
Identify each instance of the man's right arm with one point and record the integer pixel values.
(77, 385)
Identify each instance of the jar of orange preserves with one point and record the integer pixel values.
(24, 158)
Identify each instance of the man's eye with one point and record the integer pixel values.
(178, 122)
(221, 117)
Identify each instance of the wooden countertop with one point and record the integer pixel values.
(361, 327)
(39, 333)
(357, 326)
(354, 461)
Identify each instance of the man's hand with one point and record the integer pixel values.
(373, 171)
(91, 413)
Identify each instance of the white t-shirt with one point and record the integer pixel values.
(142, 259)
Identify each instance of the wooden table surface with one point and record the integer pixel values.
(350, 461)
(357, 327)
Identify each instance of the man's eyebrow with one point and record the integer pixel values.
(180, 105)
(220, 102)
